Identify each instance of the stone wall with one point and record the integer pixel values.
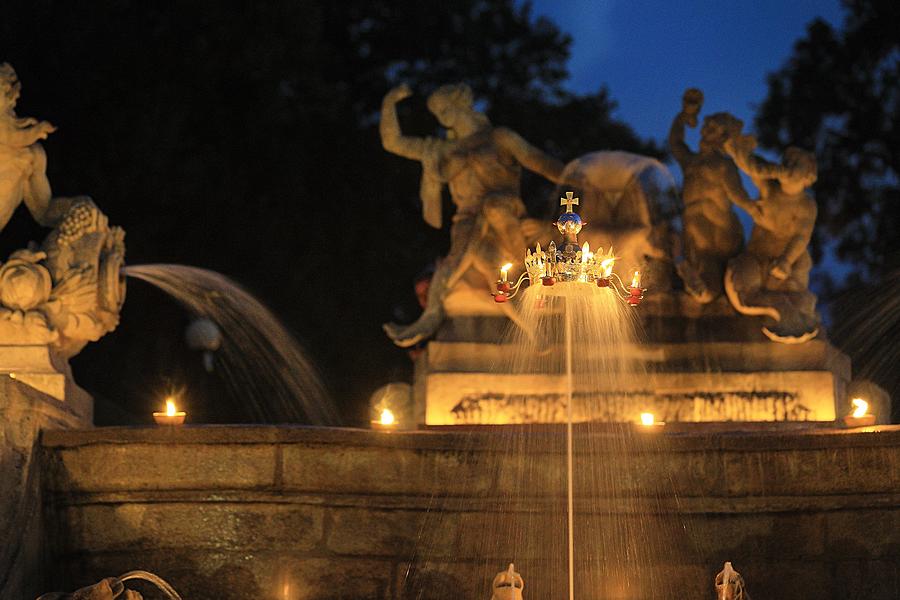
(281, 512)
(24, 411)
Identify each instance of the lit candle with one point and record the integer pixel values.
(859, 417)
(649, 422)
(386, 420)
(607, 266)
(171, 416)
(636, 280)
(504, 271)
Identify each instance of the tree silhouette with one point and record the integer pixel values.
(839, 95)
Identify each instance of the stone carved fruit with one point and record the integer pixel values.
(24, 284)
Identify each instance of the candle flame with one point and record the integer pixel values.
(607, 266)
(636, 280)
(387, 417)
(647, 419)
(860, 407)
(170, 407)
(505, 268)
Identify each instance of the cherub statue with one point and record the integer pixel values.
(482, 166)
(771, 277)
(730, 585)
(507, 585)
(712, 233)
(23, 163)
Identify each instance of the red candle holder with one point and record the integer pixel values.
(635, 296)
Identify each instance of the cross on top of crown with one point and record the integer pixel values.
(568, 201)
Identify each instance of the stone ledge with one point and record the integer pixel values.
(706, 505)
(477, 439)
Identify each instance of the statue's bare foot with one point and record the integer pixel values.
(407, 336)
(789, 337)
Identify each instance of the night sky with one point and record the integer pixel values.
(648, 52)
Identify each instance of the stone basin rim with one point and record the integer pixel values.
(688, 440)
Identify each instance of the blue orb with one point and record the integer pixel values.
(569, 222)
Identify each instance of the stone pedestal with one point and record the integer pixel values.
(36, 393)
(697, 363)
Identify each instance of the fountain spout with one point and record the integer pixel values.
(730, 585)
(507, 585)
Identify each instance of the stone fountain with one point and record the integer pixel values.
(730, 332)
(730, 340)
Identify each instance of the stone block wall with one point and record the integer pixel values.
(299, 513)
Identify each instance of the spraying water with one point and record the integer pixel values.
(261, 362)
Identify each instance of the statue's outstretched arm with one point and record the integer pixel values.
(681, 152)
(740, 149)
(805, 226)
(392, 137)
(691, 102)
(22, 137)
(533, 159)
(734, 189)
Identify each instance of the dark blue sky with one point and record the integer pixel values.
(648, 51)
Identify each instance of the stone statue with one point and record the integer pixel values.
(482, 166)
(507, 585)
(771, 277)
(629, 201)
(712, 233)
(69, 290)
(114, 587)
(730, 585)
(23, 162)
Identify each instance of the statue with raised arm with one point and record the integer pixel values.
(712, 233)
(771, 277)
(23, 163)
(67, 291)
(482, 166)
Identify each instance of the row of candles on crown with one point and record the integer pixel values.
(587, 267)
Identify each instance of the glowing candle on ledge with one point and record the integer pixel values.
(171, 416)
(859, 417)
(386, 420)
(648, 421)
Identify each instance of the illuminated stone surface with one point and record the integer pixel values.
(348, 513)
(739, 381)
